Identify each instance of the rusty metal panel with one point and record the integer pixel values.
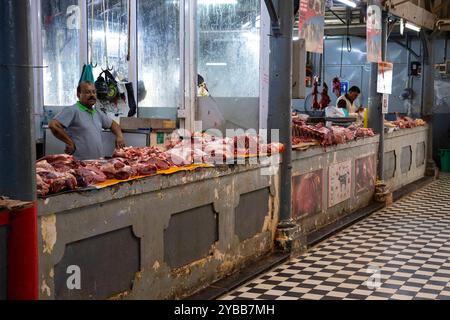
(107, 264)
(390, 160)
(250, 213)
(3, 262)
(190, 236)
(406, 159)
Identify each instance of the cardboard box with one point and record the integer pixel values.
(160, 137)
(146, 123)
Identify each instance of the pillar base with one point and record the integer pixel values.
(431, 169)
(289, 238)
(383, 194)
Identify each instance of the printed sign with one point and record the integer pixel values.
(373, 34)
(385, 72)
(385, 105)
(339, 182)
(344, 87)
(365, 174)
(307, 194)
(311, 24)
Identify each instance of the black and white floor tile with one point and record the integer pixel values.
(401, 252)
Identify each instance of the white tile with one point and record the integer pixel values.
(348, 285)
(386, 290)
(300, 290)
(335, 280)
(408, 267)
(424, 295)
(312, 269)
(395, 282)
(418, 280)
(359, 278)
(325, 288)
(403, 274)
(264, 286)
(286, 298)
(278, 278)
(433, 287)
(311, 296)
(291, 271)
(346, 272)
(410, 288)
(376, 298)
(442, 279)
(425, 273)
(311, 281)
(324, 274)
(275, 292)
(289, 284)
(337, 294)
(362, 292)
(249, 295)
(332, 267)
(301, 276)
(445, 293)
(401, 297)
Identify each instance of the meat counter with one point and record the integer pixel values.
(160, 237)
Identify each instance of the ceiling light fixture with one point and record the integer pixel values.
(348, 3)
(411, 26)
(402, 26)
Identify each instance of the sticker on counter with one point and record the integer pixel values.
(307, 192)
(339, 182)
(365, 174)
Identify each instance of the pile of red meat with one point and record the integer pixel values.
(302, 133)
(405, 122)
(58, 173)
(204, 148)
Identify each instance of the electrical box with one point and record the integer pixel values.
(415, 68)
(443, 68)
(299, 69)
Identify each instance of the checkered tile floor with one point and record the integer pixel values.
(400, 252)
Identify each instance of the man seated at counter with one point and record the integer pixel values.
(346, 102)
(80, 126)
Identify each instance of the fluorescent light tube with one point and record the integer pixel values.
(216, 64)
(348, 3)
(207, 2)
(402, 26)
(411, 26)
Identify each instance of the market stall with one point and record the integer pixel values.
(405, 151)
(334, 171)
(161, 234)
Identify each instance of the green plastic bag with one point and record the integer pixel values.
(87, 74)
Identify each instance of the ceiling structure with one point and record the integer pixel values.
(433, 15)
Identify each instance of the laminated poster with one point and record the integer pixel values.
(373, 34)
(339, 182)
(385, 73)
(311, 24)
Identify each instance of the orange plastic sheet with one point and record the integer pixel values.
(173, 170)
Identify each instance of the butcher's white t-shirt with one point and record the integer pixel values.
(84, 126)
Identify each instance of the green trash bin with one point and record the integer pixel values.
(445, 159)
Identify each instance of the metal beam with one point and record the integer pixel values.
(412, 12)
(17, 134)
(273, 18)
